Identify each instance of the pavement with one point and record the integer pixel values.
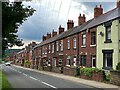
(75, 79)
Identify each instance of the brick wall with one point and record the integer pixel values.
(69, 71)
(115, 77)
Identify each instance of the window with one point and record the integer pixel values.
(43, 50)
(107, 59)
(52, 47)
(84, 39)
(108, 34)
(49, 62)
(93, 38)
(44, 62)
(49, 48)
(57, 46)
(93, 57)
(74, 43)
(83, 60)
(60, 61)
(54, 62)
(61, 46)
(68, 61)
(108, 31)
(68, 44)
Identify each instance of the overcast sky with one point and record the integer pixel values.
(52, 13)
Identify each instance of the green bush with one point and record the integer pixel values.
(27, 62)
(88, 71)
(106, 75)
(118, 66)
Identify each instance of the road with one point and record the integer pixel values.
(22, 78)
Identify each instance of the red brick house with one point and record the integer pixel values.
(65, 50)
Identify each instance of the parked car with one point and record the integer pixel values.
(8, 64)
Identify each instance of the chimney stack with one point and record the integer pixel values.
(44, 38)
(98, 11)
(70, 24)
(61, 29)
(81, 19)
(118, 3)
(48, 35)
(54, 33)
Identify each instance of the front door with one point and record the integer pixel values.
(74, 61)
(93, 61)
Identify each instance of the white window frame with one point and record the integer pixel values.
(68, 43)
(54, 62)
(46, 50)
(68, 58)
(53, 47)
(74, 43)
(49, 48)
(61, 45)
(83, 39)
(57, 49)
(43, 50)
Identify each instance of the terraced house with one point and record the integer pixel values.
(93, 43)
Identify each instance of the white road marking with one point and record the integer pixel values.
(24, 74)
(19, 72)
(33, 78)
(49, 85)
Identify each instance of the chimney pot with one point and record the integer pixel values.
(44, 38)
(54, 33)
(61, 29)
(98, 11)
(81, 19)
(118, 3)
(70, 24)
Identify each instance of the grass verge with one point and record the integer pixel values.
(4, 83)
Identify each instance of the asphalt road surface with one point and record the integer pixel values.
(22, 78)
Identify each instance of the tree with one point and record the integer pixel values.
(13, 15)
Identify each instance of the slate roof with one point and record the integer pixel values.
(110, 15)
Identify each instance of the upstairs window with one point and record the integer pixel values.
(49, 48)
(84, 39)
(108, 32)
(61, 45)
(93, 38)
(57, 46)
(43, 51)
(74, 43)
(68, 44)
(52, 47)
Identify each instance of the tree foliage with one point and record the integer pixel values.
(13, 15)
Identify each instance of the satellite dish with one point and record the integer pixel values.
(101, 33)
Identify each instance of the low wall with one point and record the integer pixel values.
(69, 71)
(57, 69)
(115, 77)
(47, 68)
